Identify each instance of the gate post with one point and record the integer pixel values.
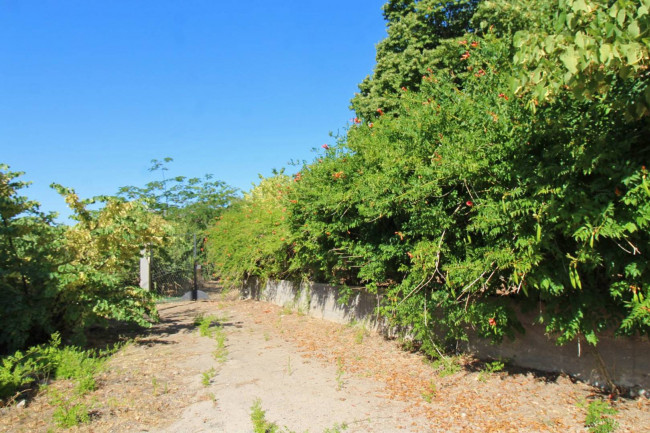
(145, 269)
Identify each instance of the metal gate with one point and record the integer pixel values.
(175, 272)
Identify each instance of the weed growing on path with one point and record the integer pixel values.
(289, 369)
(430, 392)
(156, 386)
(261, 425)
(490, 368)
(337, 428)
(360, 335)
(339, 374)
(220, 352)
(447, 366)
(68, 412)
(207, 376)
(258, 417)
(599, 416)
(204, 323)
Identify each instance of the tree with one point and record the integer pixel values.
(475, 197)
(252, 238)
(30, 250)
(192, 203)
(55, 278)
(595, 48)
(415, 29)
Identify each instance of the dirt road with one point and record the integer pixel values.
(308, 375)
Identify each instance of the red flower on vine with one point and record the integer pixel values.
(474, 44)
(325, 146)
(380, 111)
(492, 321)
(462, 42)
(469, 203)
(465, 56)
(504, 96)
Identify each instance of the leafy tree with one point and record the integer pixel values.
(415, 29)
(252, 237)
(99, 279)
(465, 204)
(595, 49)
(59, 278)
(191, 206)
(30, 249)
(193, 203)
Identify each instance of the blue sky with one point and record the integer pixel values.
(91, 91)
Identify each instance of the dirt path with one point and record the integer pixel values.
(308, 375)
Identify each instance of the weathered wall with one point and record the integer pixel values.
(626, 361)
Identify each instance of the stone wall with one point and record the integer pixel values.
(624, 361)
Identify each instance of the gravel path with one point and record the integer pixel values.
(309, 375)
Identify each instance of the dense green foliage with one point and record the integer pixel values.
(190, 207)
(252, 239)
(59, 278)
(482, 188)
(25, 369)
(415, 29)
(191, 203)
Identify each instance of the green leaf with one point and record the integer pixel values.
(633, 29)
(620, 17)
(580, 5)
(560, 22)
(570, 60)
(549, 44)
(591, 338)
(519, 39)
(633, 53)
(605, 53)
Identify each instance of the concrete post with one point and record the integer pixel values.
(145, 269)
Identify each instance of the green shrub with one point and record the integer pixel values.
(26, 369)
(68, 412)
(599, 417)
(63, 279)
(252, 238)
(476, 194)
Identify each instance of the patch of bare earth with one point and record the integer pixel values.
(308, 374)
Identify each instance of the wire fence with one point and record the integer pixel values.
(178, 269)
(171, 280)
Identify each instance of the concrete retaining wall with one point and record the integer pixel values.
(625, 361)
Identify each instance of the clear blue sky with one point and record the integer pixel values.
(91, 91)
